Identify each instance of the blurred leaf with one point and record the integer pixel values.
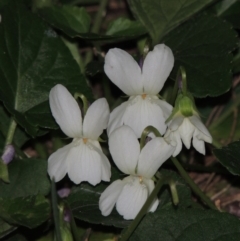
(125, 27)
(236, 63)
(80, 2)
(187, 225)
(33, 60)
(229, 156)
(203, 46)
(67, 18)
(27, 177)
(229, 10)
(161, 16)
(28, 211)
(5, 228)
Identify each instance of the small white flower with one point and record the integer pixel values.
(83, 158)
(185, 129)
(143, 108)
(131, 193)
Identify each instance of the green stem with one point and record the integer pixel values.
(41, 150)
(192, 184)
(96, 26)
(84, 100)
(143, 210)
(173, 190)
(145, 133)
(225, 114)
(11, 131)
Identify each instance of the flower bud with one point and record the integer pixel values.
(8, 154)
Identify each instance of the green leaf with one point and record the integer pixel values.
(33, 60)
(229, 156)
(63, 18)
(28, 211)
(187, 225)
(27, 177)
(84, 199)
(94, 68)
(203, 46)
(229, 10)
(67, 18)
(5, 228)
(125, 27)
(161, 16)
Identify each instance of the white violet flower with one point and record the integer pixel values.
(185, 125)
(143, 108)
(131, 193)
(83, 158)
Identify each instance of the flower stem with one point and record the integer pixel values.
(146, 132)
(96, 26)
(192, 184)
(84, 100)
(225, 114)
(143, 210)
(11, 131)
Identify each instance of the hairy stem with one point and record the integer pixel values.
(11, 131)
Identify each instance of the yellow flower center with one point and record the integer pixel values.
(85, 140)
(140, 179)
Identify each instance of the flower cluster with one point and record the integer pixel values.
(83, 159)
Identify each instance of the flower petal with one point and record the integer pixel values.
(66, 111)
(141, 113)
(176, 122)
(152, 156)
(123, 71)
(105, 164)
(156, 68)
(116, 117)
(186, 132)
(84, 163)
(198, 143)
(165, 107)
(96, 119)
(131, 199)
(150, 186)
(57, 165)
(124, 148)
(109, 197)
(196, 121)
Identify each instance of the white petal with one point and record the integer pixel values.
(131, 199)
(196, 121)
(150, 185)
(176, 122)
(166, 108)
(96, 119)
(116, 117)
(198, 143)
(84, 163)
(152, 156)
(186, 132)
(173, 137)
(156, 68)
(105, 164)
(57, 166)
(123, 71)
(66, 111)
(124, 148)
(141, 113)
(109, 197)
